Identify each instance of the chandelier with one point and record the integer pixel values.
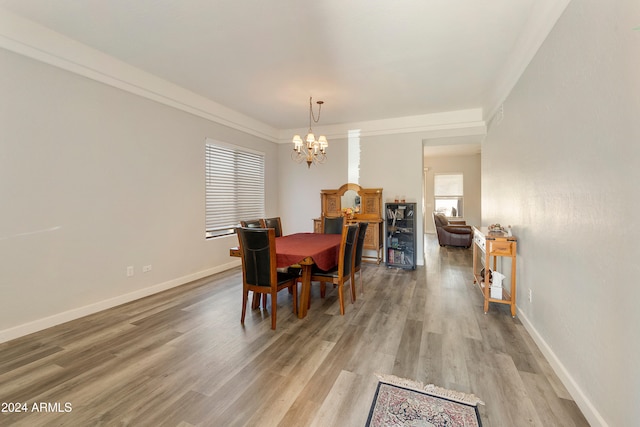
(310, 150)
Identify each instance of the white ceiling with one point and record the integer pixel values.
(452, 146)
(367, 59)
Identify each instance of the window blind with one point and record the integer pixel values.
(234, 187)
(448, 185)
(448, 190)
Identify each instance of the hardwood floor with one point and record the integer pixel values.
(181, 358)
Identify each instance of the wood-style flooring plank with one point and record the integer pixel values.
(182, 358)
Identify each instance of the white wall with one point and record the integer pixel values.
(94, 179)
(300, 186)
(392, 162)
(469, 166)
(563, 168)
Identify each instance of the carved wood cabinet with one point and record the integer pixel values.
(367, 206)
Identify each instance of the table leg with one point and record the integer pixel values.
(305, 291)
(487, 281)
(255, 301)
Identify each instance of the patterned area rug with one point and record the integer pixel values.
(401, 402)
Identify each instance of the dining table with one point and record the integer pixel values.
(305, 250)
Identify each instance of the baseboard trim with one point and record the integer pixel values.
(76, 313)
(586, 406)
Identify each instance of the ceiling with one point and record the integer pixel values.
(366, 59)
(452, 146)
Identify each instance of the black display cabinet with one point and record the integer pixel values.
(400, 242)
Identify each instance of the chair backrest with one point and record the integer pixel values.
(273, 223)
(362, 230)
(258, 249)
(440, 220)
(332, 225)
(347, 248)
(252, 223)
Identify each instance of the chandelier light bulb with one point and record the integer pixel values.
(297, 143)
(311, 138)
(314, 151)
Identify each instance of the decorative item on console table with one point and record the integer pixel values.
(357, 204)
(489, 243)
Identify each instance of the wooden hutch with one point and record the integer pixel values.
(367, 206)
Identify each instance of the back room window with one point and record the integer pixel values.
(449, 194)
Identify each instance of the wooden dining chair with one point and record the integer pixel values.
(252, 223)
(274, 223)
(357, 263)
(332, 225)
(259, 274)
(344, 271)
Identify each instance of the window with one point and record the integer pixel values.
(448, 192)
(234, 187)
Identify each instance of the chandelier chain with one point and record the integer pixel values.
(311, 115)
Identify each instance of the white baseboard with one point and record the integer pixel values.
(76, 313)
(588, 409)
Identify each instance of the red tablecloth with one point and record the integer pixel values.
(324, 249)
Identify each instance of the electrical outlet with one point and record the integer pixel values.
(530, 295)
(146, 268)
(130, 271)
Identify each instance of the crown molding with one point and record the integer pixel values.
(542, 18)
(34, 41)
(29, 39)
(425, 124)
